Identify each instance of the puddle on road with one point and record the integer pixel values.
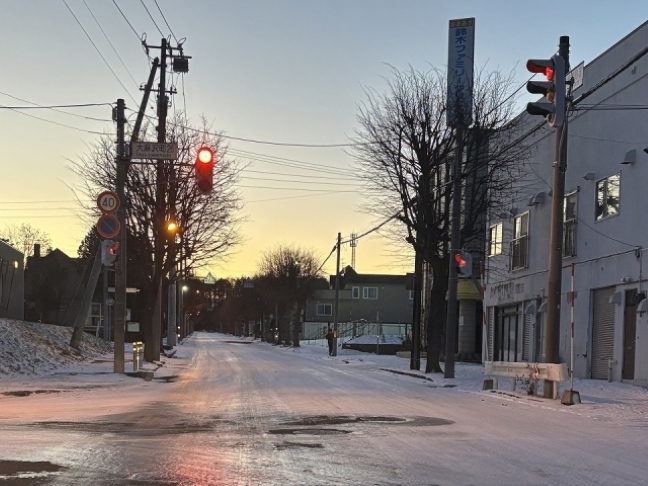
(26, 393)
(377, 419)
(136, 429)
(25, 473)
(298, 445)
(308, 431)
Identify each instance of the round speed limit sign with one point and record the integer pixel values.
(108, 202)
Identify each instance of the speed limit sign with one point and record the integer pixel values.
(108, 202)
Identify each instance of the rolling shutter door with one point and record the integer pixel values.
(526, 338)
(602, 333)
(490, 329)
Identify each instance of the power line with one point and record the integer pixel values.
(55, 107)
(298, 182)
(49, 107)
(265, 142)
(53, 122)
(288, 188)
(165, 21)
(374, 229)
(127, 21)
(99, 52)
(298, 175)
(149, 14)
(292, 197)
(111, 44)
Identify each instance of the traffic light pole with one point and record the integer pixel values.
(120, 264)
(455, 241)
(554, 286)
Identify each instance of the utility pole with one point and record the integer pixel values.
(160, 200)
(554, 286)
(337, 296)
(119, 317)
(455, 241)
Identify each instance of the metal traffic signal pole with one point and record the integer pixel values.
(554, 286)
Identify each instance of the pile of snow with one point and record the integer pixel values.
(34, 348)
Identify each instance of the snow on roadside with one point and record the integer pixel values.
(619, 403)
(30, 348)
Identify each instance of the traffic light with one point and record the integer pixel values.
(463, 259)
(205, 170)
(553, 109)
(109, 252)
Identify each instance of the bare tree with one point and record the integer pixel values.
(208, 224)
(287, 276)
(404, 150)
(24, 236)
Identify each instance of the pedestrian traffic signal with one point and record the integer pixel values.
(463, 260)
(204, 170)
(553, 109)
(109, 252)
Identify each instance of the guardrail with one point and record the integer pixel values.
(528, 371)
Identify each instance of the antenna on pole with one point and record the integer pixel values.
(353, 244)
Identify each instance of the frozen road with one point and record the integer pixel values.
(253, 414)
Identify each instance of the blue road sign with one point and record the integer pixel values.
(108, 226)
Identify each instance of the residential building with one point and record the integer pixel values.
(604, 224)
(370, 303)
(12, 282)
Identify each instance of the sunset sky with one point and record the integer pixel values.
(278, 71)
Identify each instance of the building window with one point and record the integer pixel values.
(355, 292)
(370, 293)
(324, 309)
(569, 225)
(495, 240)
(520, 243)
(607, 196)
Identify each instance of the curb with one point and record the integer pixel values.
(405, 373)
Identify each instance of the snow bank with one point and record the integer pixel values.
(33, 349)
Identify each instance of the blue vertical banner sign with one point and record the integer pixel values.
(461, 56)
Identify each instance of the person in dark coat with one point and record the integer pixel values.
(329, 338)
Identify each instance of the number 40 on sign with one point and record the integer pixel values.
(108, 202)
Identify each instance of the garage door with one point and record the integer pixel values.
(602, 333)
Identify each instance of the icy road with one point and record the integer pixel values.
(254, 414)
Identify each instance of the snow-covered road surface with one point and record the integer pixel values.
(255, 414)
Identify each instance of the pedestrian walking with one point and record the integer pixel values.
(329, 338)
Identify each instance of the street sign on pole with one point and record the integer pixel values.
(154, 150)
(576, 75)
(108, 226)
(108, 202)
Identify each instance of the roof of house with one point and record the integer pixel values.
(350, 276)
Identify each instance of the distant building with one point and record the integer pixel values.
(368, 304)
(12, 282)
(51, 282)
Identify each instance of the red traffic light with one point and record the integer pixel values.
(541, 66)
(205, 155)
(204, 167)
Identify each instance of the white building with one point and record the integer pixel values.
(605, 228)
